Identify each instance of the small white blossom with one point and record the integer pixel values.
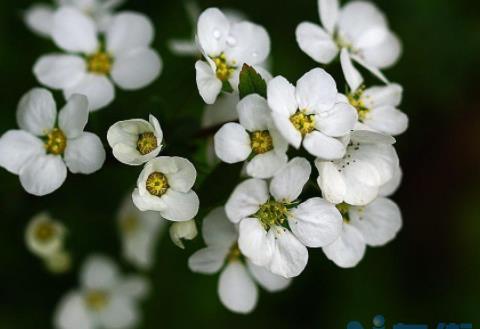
(105, 299)
(312, 113)
(165, 185)
(237, 287)
(39, 17)
(140, 232)
(59, 262)
(183, 231)
(359, 30)
(255, 138)
(47, 144)
(369, 163)
(275, 228)
(44, 235)
(135, 141)
(226, 46)
(91, 66)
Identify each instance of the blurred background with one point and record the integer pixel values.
(430, 273)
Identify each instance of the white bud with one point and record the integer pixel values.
(183, 230)
(59, 262)
(44, 235)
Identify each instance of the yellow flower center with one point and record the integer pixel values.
(147, 142)
(56, 142)
(45, 231)
(96, 300)
(304, 123)
(157, 184)
(272, 213)
(100, 63)
(224, 71)
(129, 224)
(261, 142)
(355, 99)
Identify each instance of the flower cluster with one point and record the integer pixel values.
(319, 165)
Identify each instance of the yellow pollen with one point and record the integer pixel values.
(129, 224)
(355, 99)
(157, 184)
(45, 231)
(56, 142)
(261, 142)
(224, 71)
(304, 123)
(272, 213)
(234, 253)
(343, 208)
(147, 142)
(96, 300)
(100, 63)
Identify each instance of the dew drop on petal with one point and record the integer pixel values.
(217, 34)
(231, 41)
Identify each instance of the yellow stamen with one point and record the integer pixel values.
(272, 213)
(100, 63)
(157, 184)
(224, 71)
(96, 300)
(56, 142)
(261, 142)
(129, 224)
(45, 231)
(355, 99)
(147, 142)
(304, 123)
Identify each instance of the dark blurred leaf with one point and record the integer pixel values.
(251, 82)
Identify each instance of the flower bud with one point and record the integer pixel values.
(183, 230)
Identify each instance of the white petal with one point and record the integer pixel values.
(136, 68)
(232, 143)
(98, 272)
(338, 121)
(254, 242)
(288, 182)
(266, 165)
(281, 97)
(127, 31)
(316, 91)
(209, 86)
(39, 19)
(84, 154)
(183, 47)
(207, 260)
(43, 174)
(323, 146)
(289, 256)
(246, 199)
(247, 43)
(358, 193)
(181, 174)
(383, 54)
(352, 76)
(254, 113)
(134, 286)
(328, 11)
(384, 160)
(390, 94)
(379, 221)
(223, 110)
(316, 42)
(180, 206)
(370, 137)
(97, 88)
(73, 117)
(37, 111)
(145, 201)
(212, 31)
(348, 250)
(373, 69)
(74, 31)
(315, 222)
(269, 281)
(287, 130)
(59, 71)
(330, 181)
(119, 313)
(72, 313)
(236, 289)
(387, 119)
(18, 148)
(217, 230)
(392, 185)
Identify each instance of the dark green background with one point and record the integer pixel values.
(430, 273)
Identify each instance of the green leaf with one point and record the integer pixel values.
(251, 82)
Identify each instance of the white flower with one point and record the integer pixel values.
(105, 299)
(255, 139)
(90, 65)
(44, 235)
(135, 141)
(236, 287)
(374, 225)
(59, 262)
(359, 30)
(165, 185)
(39, 17)
(369, 163)
(377, 109)
(183, 231)
(226, 46)
(311, 112)
(46, 145)
(274, 227)
(140, 232)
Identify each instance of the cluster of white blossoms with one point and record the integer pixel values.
(319, 165)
